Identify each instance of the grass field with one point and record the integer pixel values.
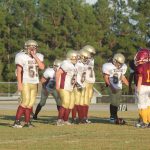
(100, 135)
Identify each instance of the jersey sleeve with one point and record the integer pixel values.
(19, 59)
(49, 73)
(64, 66)
(40, 56)
(139, 69)
(105, 69)
(124, 69)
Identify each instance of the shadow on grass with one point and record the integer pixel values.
(46, 119)
(6, 117)
(52, 120)
(5, 124)
(129, 121)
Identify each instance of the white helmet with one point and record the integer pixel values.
(30, 43)
(72, 55)
(90, 49)
(57, 63)
(118, 60)
(84, 55)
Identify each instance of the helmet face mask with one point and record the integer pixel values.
(142, 56)
(72, 56)
(118, 60)
(117, 64)
(84, 55)
(31, 45)
(56, 64)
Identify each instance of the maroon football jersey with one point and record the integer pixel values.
(144, 71)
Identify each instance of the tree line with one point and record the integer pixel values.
(60, 25)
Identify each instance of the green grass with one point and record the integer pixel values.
(100, 135)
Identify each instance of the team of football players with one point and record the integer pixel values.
(71, 83)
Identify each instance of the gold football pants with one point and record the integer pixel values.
(88, 93)
(77, 96)
(28, 95)
(67, 98)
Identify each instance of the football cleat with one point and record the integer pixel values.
(74, 121)
(35, 117)
(67, 123)
(141, 125)
(60, 122)
(120, 121)
(87, 121)
(17, 124)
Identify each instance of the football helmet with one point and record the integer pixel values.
(72, 55)
(32, 43)
(84, 55)
(142, 56)
(118, 60)
(90, 49)
(56, 64)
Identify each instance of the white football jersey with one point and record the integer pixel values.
(49, 74)
(114, 74)
(81, 73)
(90, 74)
(30, 67)
(68, 77)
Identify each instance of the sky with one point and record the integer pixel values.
(91, 1)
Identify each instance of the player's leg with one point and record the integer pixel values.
(55, 94)
(71, 100)
(76, 105)
(114, 103)
(44, 96)
(88, 97)
(33, 94)
(64, 96)
(143, 99)
(81, 106)
(25, 95)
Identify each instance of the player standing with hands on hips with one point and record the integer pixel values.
(27, 62)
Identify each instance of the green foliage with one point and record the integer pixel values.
(60, 25)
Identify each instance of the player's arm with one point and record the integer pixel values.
(19, 77)
(40, 63)
(58, 78)
(139, 83)
(43, 81)
(124, 80)
(108, 84)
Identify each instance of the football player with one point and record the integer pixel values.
(89, 80)
(114, 75)
(81, 67)
(48, 87)
(143, 86)
(65, 82)
(27, 63)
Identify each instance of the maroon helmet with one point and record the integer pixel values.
(142, 56)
